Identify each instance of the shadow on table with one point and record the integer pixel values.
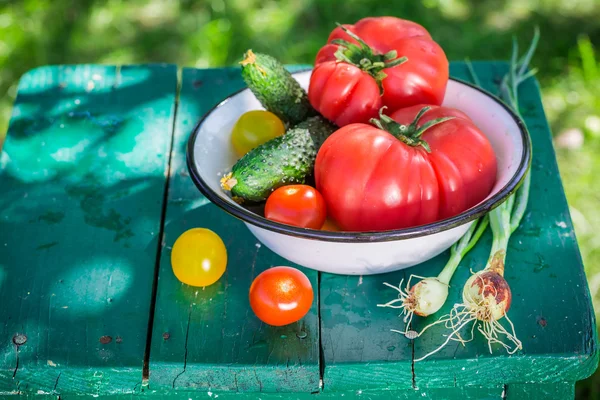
(80, 217)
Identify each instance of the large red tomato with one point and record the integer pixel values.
(396, 176)
(375, 55)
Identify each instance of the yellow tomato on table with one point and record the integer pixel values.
(254, 128)
(199, 257)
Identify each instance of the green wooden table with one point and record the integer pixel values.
(94, 192)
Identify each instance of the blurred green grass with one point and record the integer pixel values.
(216, 32)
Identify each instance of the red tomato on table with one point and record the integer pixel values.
(298, 205)
(374, 179)
(363, 60)
(281, 295)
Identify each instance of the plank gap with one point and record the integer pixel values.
(159, 245)
(413, 375)
(56, 383)
(321, 352)
(412, 365)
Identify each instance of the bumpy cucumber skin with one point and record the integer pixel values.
(281, 161)
(276, 89)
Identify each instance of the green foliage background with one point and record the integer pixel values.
(216, 32)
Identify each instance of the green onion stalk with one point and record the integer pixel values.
(428, 295)
(486, 294)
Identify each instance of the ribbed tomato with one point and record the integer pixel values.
(379, 61)
(422, 164)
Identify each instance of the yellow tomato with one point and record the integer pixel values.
(199, 257)
(254, 128)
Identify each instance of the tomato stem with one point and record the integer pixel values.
(408, 134)
(364, 57)
(250, 59)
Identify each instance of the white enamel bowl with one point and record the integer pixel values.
(210, 155)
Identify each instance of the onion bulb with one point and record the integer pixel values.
(427, 296)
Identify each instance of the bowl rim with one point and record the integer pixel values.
(375, 236)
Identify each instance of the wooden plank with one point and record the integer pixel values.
(544, 270)
(82, 175)
(549, 391)
(214, 340)
(560, 391)
(356, 337)
(468, 393)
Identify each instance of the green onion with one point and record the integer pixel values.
(428, 295)
(487, 295)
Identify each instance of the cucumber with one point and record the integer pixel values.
(286, 159)
(276, 88)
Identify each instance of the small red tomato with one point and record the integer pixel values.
(298, 205)
(281, 295)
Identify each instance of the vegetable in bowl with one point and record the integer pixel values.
(339, 250)
(285, 159)
(378, 61)
(281, 161)
(275, 88)
(419, 165)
